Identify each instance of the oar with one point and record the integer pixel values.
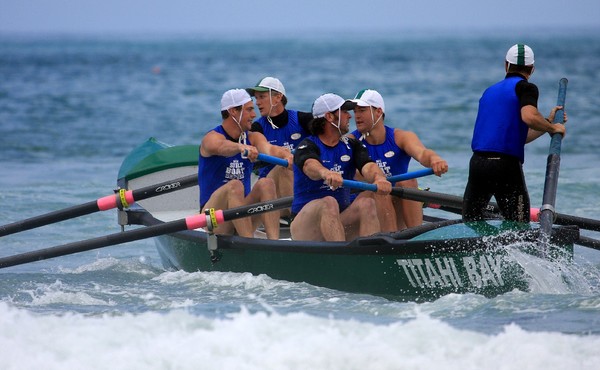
(562, 219)
(410, 175)
(359, 185)
(272, 160)
(453, 203)
(124, 199)
(552, 168)
(188, 223)
(410, 193)
(589, 242)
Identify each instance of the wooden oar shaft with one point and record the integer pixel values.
(191, 222)
(101, 204)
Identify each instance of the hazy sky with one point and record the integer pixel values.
(270, 16)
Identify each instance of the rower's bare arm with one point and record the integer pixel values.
(374, 175)
(412, 145)
(216, 144)
(263, 145)
(538, 125)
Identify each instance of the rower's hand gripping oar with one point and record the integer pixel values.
(188, 223)
(123, 199)
(547, 211)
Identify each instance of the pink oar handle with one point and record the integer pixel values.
(198, 221)
(110, 201)
(534, 214)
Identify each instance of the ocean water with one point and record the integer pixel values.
(72, 108)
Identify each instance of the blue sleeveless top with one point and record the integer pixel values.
(389, 157)
(217, 170)
(288, 136)
(499, 127)
(339, 159)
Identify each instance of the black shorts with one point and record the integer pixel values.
(500, 176)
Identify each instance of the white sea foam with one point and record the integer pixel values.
(270, 341)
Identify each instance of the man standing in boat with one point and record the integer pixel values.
(321, 209)
(507, 119)
(392, 150)
(225, 164)
(281, 126)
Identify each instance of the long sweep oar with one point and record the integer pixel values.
(453, 203)
(123, 199)
(410, 193)
(551, 182)
(188, 223)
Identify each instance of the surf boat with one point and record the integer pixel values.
(441, 256)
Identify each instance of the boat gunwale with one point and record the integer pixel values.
(378, 244)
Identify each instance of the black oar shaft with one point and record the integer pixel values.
(165, 187)
(48, 218)
(428, 197)
(453, 203)
(547, 211)
(141, 233)
(582, 222)
(97, 205)
(95, 243)
(589, 242)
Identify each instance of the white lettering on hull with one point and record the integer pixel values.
(443, 272)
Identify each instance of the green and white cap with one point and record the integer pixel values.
(330, 102)
(267, 84)
(369, 98)
(520, 54)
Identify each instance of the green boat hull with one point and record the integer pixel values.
(420, 268)
(418, 264)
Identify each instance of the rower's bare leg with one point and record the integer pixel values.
(385, 210)
(360, 218)
(262, 191)
(230, 195)
(319, 220)
(284, 184)
(409, 212)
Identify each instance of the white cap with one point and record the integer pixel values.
(369, 98)
(520, 54)
(328, 103)
(266, 84)
(234, 98)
